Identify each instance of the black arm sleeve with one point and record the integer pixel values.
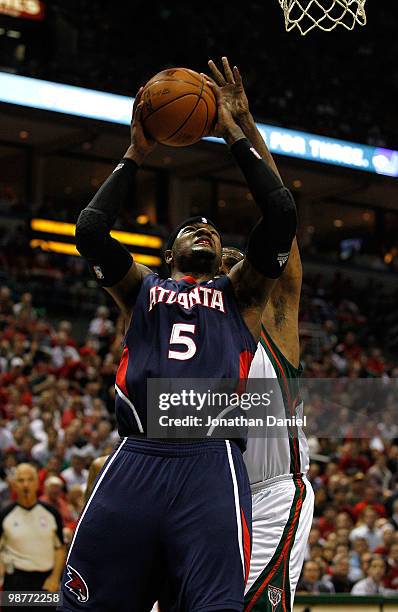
(270, 241)
(109, 261)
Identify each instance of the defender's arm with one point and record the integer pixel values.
(280, 316)
(270, 241)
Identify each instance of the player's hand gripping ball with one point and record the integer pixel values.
(179, 107)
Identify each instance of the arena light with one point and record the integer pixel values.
(23, 9)
(60, 228)
(71, 100)
(143, 240)
(67, 248)
(53, 246)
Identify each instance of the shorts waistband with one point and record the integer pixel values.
(259, 486)
(165, 448)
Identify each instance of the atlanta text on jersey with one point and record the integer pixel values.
(204, 296)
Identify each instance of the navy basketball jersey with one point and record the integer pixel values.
(179, 329)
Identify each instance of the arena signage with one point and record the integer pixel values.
(23, 9)
(58, 98)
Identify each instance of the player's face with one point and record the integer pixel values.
(230, 257)
(198, 245)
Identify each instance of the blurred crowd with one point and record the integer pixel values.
(57, 412)
(56, 400)
(102, 46)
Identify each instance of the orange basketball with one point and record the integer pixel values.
(179, 107)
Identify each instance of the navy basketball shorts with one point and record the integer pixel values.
(163, 517)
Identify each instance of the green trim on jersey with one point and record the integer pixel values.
(288, 377)
(289, 369)
(276, 573)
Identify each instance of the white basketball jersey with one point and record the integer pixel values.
(283, 449)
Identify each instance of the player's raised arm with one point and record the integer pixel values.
(270, 241)
(280, 315)
(111, 263)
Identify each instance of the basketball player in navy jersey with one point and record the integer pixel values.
(283, 499)
(175, 513)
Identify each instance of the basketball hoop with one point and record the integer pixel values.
(324, 14)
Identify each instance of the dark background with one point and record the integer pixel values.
(341, 84)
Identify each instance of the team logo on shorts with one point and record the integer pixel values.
(275, 596)
(76, 584)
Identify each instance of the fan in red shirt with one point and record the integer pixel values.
(371, 496)
(352, 460)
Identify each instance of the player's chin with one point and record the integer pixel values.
(204, 250)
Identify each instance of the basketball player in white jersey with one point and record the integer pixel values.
(282, 497)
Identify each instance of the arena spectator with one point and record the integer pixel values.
(367, 528)
(6, 303)
(6, 437)
(31, 538)
(379, 475)
(310, 581)
(357, 488)
(63, 352)
(388, 538)
(326, 523)
(391, 577)
(359, 547)
(338, 581)
(42, 451)
(394, 517)
(54, 496)
(373, 583)
(366, 558)
(371, 498)
(75, 498)
(24, 308)
(352, 460)
(101, 326)
(76, 474)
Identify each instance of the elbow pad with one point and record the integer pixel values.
(270, 241)
(108, 260)
(92, 228)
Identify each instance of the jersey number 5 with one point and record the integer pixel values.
(177, 338)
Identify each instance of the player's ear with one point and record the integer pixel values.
(168, 256)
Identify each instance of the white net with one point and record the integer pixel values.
(324, 14)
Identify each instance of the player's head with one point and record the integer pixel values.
(230, 257)
(194, 246)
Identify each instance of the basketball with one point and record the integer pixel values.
(179, 107)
